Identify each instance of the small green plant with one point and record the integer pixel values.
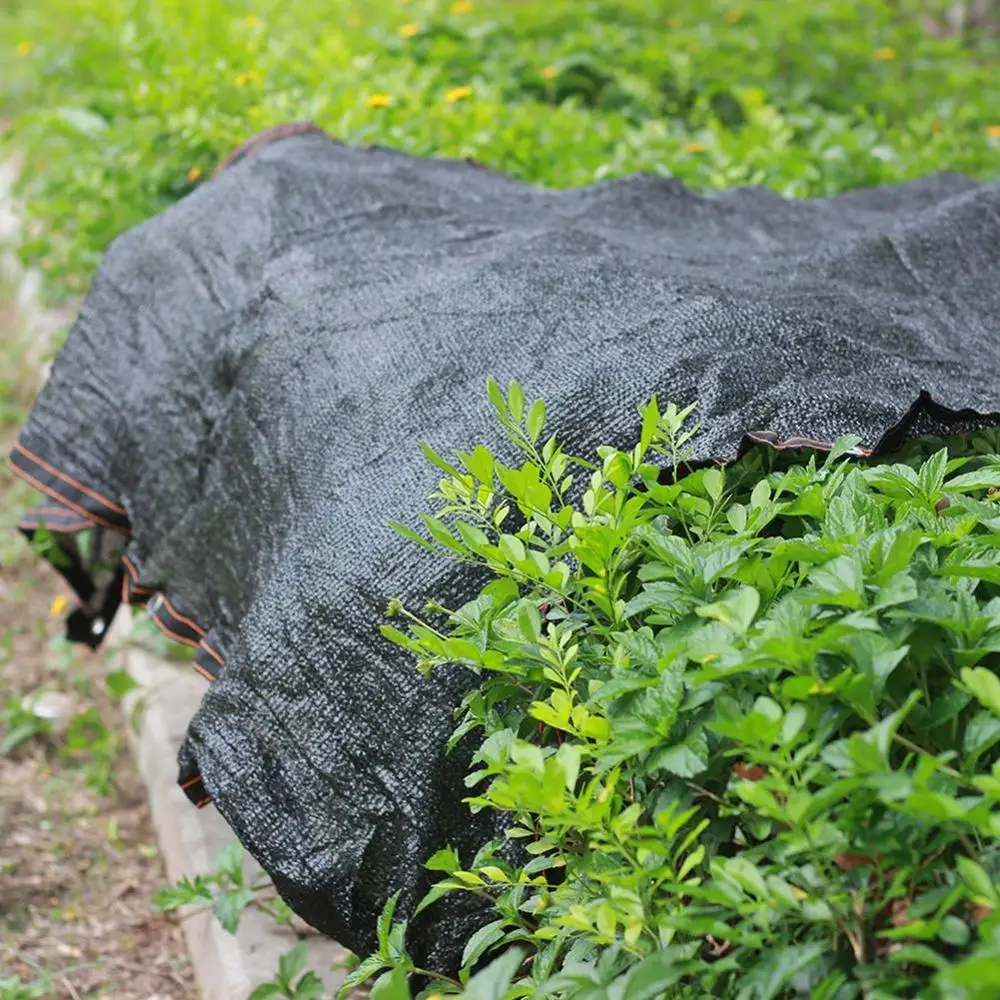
(15, 988)
(94, 747)
(745, 721)
(291, 981)
(227, 891)
(19, 723)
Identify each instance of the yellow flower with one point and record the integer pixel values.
(457, 94)
(409, 30)
(59, 605)
(24, 49)
(733, 16)
(379, 101)
(993, 131)
(193, 174)
(252, 21)
(549, 73)
(694, 147)
(885, 54)
(461, 7)
(250, 76)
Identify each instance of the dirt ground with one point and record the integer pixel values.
(78, 858)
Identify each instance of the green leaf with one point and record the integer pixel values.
(650, 414)
(845, 445)
(977, 977)
(293, 962)
(954, 931)
(655, 974)
(777, 967)
(981, 479)
(686, 760)
(480, 464)
(919, 954)
(82, 120)
(392, 985)
(436, 460)
(480, 942)
(984, 685)
(472, 535)
(364, 972)
(535, 420)
(440, 533)
(515, 401)
(446, 860)
(230, 906)
(229, 863)
(736, 611)
(384, 923)
(930, 479)
(493, 981)
(839, 582)
(495, 396)
(119, 683)
(760, 495)
(411, 535)
(977, 881)
(309, 987)
(714, 483)
(266, 991)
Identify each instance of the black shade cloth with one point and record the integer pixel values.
(245, 390)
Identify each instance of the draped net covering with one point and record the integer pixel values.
(241, 402)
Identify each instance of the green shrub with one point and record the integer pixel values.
(125, 105)
(745, 724)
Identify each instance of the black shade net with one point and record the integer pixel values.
(241, 401)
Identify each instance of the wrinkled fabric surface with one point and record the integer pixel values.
(242, 399)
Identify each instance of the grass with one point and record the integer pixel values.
(124, 105)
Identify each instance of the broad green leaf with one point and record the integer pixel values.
(981, 479)
(714, 482)
(230, 906)
(119, 683)
(361, 974)
(984, 685)
(778, 967)
(685, 759)
(736, 611)
(263, 992)
(480, 942)
(651, 978)
(293, 962)
(446, 860)
(392, 985)
(977, 880)
(840, 582)
(492, 982)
